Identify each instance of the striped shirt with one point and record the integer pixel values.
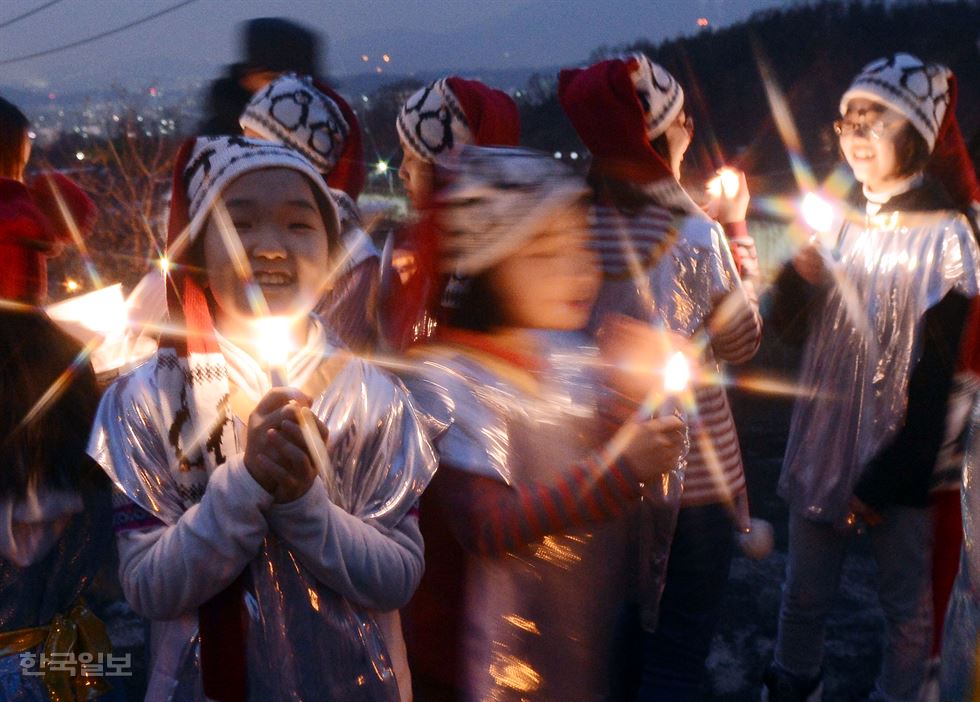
(492, 518)
(640, 242)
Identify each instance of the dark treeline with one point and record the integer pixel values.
(815, 50)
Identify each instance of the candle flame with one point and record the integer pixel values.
(724, 184)
(273, 340)
(677, 373)
(817, 213)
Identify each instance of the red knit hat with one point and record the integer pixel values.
(36, 220)
(950, 161)
(444, 116)
(603, 105)
(950, 164)
(349, 173)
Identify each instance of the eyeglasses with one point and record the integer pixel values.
(874, 130)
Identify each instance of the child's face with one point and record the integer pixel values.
(552, 282)
(416, 177)
(868, 142)
(679, 135)
(278, 221)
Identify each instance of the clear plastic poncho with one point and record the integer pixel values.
(864, 342)
(304, 641)
(675, 282)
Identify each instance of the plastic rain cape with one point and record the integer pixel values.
(537, 622)
(864, 342)
(305, 642)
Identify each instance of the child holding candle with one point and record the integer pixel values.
(881, 341)
(523, 522)
(282, 569)
(665, 262)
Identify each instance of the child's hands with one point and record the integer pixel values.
(809, 263)
(727, 205)
(656, 446)
(293, 445)
(270, 457)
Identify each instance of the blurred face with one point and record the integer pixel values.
(416, 177)
(552, 282)
(275, 215)
(679, 135)
(867, 139)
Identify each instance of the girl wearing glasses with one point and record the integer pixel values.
(880, 311)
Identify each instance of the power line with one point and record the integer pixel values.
(96, 37)
(27, 14)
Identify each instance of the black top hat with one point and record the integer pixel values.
(278, 44)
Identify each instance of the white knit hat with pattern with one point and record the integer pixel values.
(659, 92)
(497, 200)
(292, 111)
(432, 122)
(916, 90)
(215, 162)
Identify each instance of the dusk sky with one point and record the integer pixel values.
(417, 34)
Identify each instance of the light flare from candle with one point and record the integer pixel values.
(677, 373)
(274, 344)
(818, 213)
(725, 184)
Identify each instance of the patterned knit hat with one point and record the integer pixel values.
(615, 106)
(916, 90)
(309, 117)
(444, 116)
(210, 164)
(497, 200)
(660, 94)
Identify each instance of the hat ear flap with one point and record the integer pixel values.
(186, 301)
(349, 173)
(950, 161)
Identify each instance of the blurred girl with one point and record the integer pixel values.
(524, 535)
(666, 263)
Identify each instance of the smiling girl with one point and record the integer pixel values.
(881, 339)
(269, 528)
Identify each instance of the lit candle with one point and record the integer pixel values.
(274, 344)
(817, 213)
(677, 378)
(725, 184)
